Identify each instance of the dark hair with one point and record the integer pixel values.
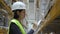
(15, 13)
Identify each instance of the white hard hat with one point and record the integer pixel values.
(18, 5)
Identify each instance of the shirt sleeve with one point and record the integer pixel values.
(31, 31)
(14, 29)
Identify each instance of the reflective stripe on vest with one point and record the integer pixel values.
(19, 25)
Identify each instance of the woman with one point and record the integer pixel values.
(19, 14)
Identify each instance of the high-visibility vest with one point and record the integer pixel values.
(19, 25)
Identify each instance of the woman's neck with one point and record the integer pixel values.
(20, 20)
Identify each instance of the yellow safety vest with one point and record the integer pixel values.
(19, 25)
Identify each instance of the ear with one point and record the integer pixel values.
(17, 12)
